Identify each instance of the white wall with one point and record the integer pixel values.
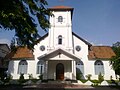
(89, 69)
(60, 28)
(13, 69)
(37, 51)
(84, 48)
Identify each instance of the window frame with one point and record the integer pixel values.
(60, 19)
(78, 48)
(22, 67)
(40, 67)
(99, 67)
(59, 39)
(80, 66)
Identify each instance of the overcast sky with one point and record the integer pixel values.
(97, 21)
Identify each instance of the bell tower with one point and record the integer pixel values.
(60, 32)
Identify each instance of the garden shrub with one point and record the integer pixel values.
(79, 74)
(30, 76)
(88, 76)
(95, 82)
(8, 78)
(83, 80)
(100, 77)
(40, 77)
(21, 79)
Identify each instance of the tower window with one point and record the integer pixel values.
(60, 19)
(60, 39)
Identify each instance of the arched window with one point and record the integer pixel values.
(60, 39)
(40, 67)
(60, 19)
(99, 67)
(22, 67)
(80, 66)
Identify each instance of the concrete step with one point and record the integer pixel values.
(59, 82)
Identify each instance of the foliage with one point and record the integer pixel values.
(8, 78)
(100, 77)
(40, 77)
(78, 76)
(19, 15)
(83, 80)
(30, 76)
(88, 76)
(3, 74)
(95, 81)
(115, 61)
(12, 45)
(34, 80)
(21, 79)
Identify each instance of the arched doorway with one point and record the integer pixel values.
(59, 71)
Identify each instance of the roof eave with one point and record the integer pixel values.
(59, 49)
(86, 42)
(25, 58)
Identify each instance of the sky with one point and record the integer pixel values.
(97, 21)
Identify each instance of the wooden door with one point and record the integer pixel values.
(59, 71)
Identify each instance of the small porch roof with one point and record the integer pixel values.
(57, 52)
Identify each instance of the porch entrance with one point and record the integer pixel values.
(59, 71)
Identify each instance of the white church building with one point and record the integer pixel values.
(61, 53)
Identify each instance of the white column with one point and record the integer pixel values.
(46, 70)
(74, 70)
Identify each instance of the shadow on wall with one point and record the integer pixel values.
(79, 74)
(11, 67)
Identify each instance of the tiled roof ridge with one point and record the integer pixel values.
(60, 7)
(100, 46)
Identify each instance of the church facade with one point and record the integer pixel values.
(61, 54)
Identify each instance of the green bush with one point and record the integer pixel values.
(100, 77)
(8, 78)
(95, 82)
(40, 77)
(21, 79)
(78, 76)
(83, 80)
(34, 80)
(88, 76)
(30, 76)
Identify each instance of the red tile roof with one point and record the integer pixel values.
(61, 8)
(21, 52)
(100, 52)
(96, 52)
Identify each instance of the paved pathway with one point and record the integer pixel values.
(56, 87)
(67, 87)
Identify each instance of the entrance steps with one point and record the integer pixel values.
(59, 82)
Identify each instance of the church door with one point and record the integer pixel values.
(59, 71)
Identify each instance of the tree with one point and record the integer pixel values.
(115, 61)
(18, 15)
